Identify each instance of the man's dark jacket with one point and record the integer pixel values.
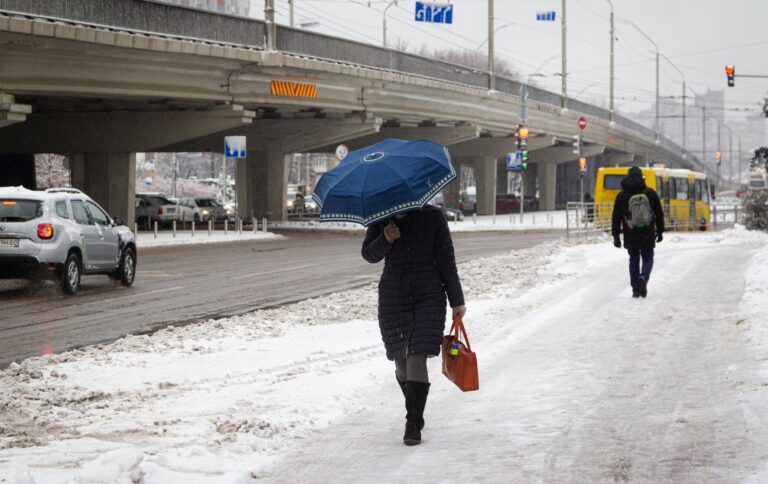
(636, 238)
(419, 270)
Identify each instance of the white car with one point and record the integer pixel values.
(204, 209)
(62, 234)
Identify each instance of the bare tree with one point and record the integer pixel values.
(50, 171)
(473, 60)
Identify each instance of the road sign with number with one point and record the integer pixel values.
(436, 13)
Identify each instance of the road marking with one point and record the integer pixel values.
(287, 269)
(140, 294)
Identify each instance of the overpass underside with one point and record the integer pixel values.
(99, 97)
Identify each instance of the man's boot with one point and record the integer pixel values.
(415, 401)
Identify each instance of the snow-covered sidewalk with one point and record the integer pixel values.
(579, 382)
(185, 237)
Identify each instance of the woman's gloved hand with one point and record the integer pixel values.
(391, 232)
(459, 311)
(617, 242)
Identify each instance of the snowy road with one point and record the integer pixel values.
(579, 383)
(175, 285)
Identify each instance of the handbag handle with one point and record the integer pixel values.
(458, 325)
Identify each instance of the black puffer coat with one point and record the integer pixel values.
(419, 270)
(636, 238)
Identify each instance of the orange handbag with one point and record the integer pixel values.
(459, 361)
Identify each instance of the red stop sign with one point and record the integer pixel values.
(582, 122)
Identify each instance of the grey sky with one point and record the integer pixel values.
(700, 36)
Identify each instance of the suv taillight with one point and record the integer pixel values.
(45, 231)
(160, 210)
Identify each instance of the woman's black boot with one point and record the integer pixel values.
(415, 401)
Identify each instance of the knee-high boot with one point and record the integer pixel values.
(415, 400)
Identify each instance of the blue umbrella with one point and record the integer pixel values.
(390, 177)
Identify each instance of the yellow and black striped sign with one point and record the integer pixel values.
(294, 89)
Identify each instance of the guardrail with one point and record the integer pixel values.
(585, 220)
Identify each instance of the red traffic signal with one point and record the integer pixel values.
(522, 132)
(730, 73)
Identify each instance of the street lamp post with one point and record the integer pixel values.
(629, 22)
(269, 18)
(384, 22)
(491, 75)
(565, 57)
(613, 36)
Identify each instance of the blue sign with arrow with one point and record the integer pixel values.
(234, 146)
(515, 161)
(546, 16)
(436, 13)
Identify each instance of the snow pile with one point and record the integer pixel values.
(223, 401)
(166, 238)
(482, 223)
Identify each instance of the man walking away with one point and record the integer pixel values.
(637, 212)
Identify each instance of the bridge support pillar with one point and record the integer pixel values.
(261, 181)
(547, 185)
(529, 180)
(502, 177)
(108, 178)
(485, 178)
(18, 169)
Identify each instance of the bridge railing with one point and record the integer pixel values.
(148, 16)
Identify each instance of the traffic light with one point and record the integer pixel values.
(577, 145)
(524, 155)
(582, 165)
(522, 133)
(525, 164)
(718, 155)
(730, 73)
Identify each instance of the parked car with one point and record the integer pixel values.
(204, 209)
(507, 203)
(310, 205)
(452, 214)
(62, 234)
(155, 207)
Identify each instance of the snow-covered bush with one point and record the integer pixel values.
(756, 210)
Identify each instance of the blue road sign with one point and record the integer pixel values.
(515, 161)
(436, 13)
(546, 16)
(234, 146)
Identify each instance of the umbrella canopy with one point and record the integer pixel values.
(384, 179)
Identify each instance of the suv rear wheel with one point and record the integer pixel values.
(70, 274)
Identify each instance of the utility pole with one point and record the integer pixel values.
(290, 11)
(565, 58)
(730, 155)
(269, 17)
(683, 76)
(658, 126)
(491, 75)
(739, 160)
(613, 37)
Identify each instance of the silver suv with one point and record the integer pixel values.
(61, 234)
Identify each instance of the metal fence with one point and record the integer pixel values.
(586, 220)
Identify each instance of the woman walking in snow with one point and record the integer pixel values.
(419, 270)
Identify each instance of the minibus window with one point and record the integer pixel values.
(612, 182)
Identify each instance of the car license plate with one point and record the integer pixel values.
(9, 242)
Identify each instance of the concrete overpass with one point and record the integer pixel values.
(104, 79)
